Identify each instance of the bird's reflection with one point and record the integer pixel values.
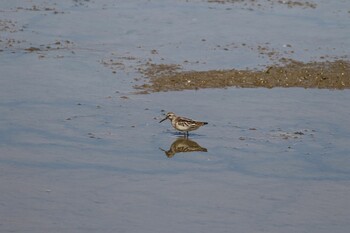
(183, 144)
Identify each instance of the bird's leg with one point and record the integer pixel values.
(186, 134)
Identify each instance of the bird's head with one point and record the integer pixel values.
(169, 115)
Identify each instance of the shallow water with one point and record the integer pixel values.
(277, 160)
(80, 153)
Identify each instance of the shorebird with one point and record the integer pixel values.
(183, 124)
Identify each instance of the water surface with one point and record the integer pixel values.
(79, 152)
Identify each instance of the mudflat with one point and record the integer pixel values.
(323, 75)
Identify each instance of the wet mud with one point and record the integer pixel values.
(323, 75)
(257, 4)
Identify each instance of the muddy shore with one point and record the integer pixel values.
(323, 75)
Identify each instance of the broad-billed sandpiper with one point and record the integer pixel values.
(183, 124)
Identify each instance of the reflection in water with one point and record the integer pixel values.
(183, 145)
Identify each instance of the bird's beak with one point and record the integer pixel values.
(163, 120)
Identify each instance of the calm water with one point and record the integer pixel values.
(76, 157)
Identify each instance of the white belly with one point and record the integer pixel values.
(181, 127)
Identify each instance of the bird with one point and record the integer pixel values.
(183, 124)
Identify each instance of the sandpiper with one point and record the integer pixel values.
(183, 124)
